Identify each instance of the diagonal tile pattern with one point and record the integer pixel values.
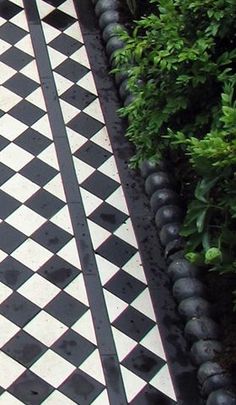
(49, 351)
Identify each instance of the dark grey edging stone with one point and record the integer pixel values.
(201, 331)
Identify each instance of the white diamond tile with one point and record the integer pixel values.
(84, 327)
(162, 382)
(95, 111)
(98, 234)
(44, 8)
(133, 384)
(8, 399)
(8, 157)
(109, 168)
(55, 187)
(124, 344)
(5, 292)
(4, 46)
(81, 57)
(87, 83)
(143, 303)
(10, 370)
(106, 269)
(115, 306)
(68, 111)
(18, 2)
(49, 156)
(10, 127)
(20, 20)
(62, 84)
(62, 219)
(37, 98)
(77, 289)
(82, 169)
(32, 255)
(74, 31)
(43, 127)
(53, 368)
(57, 398)
(25, 45)
(3, 255)
(102, 399)
(8, 99)
(118, 201)
(68, 8)
(38, 290)
(93, 367)
(75, 140)
(134, 268)
(90, 201)
(126, 232)
(70, 253)
(6, 73)
(8, 330)
(20, 188)
(152, 341)
(31, 71)
(56, 57)
(45, 328)
(102, 139)
(25, 219)
(50, 32)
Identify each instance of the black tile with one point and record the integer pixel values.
(85, 125)
(81, 388)
(3, 142)
(44, 203)
(59, 20)
(9, 9)
(1, 113)
(151, 396)
(21, 85)
(18, 309)
(51, 237)
(55, 3)
(78, 97)
(8, 204)
(5, 174)
(32, 141)
(24, 348)
(100, 185)
(10, 238)
(92, 154)
(134, 324)
(72, 70)
(143, 363)
(65, 44)
(15, 58)
(125, 286)
(26, 112)
(11, 33)
(13, 273)
(108, 217)
(66, 308)
(30, 389)
(116, 250)
(1, 390)
(73, 347)
(38, 172)
(58, 271)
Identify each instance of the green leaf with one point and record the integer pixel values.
(203, 187)
(201, 220)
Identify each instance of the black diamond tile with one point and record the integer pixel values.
(24, 348)
(85, 125)
(72, 70)
(55, 3)
(26, 112)
(3, 142)
(15, 58)
(18, 309)
(51, 237)
(78, 97)
(8, 9)
(10, 238)
(73, 347)
(65, 44)
(125, 286)
(1, 390)
(59, 20)
(30, 389)
(116, 250)
(11, 33)
(81, 388)
(134, 324)
(13, 273)
(21, 85)
(92, 154)
(45, 203)
(151, 396)
(5, 174)
(100, 185)
(66, 308)
(8, 204)
(32, 141)
(143, 363)
(58, 271)
(108, 217)
(38, 172)
(1, 113)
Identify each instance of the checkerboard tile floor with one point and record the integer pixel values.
(50, 350)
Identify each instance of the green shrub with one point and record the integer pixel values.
(181, 66)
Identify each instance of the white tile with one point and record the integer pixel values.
(70, 253)
(133, 384)
(90, 201)
(38, 290)
(10, 127)
(49, 156)
(143, 303)
(56, 58)
(53, 368)
(98, 234)
(118, 201)
(57, 398)
(124, 344)
(82, 169)
(18, 2)
(126, 233)
(68, 111)
(95, 111)
(68, 8)
(32, 255)
(25, 45)
(4, 46)
(8, 157)
(87, 83)
(31, 71)
(6, 73)
(84, 327)
(77, 289)
(74, 31)
(115, 306)
(19, 187)
(44, 8)
(10, 370)
(5, 292)
(81, 57)
(106, 269)
(152, 341)
(20, 20)
(50, 32)
(37, 98)
(75, 140)
(102, 399)
(102, 139)
(26, 220)
(109, 168)
(93, 367)
(62, 84)
(55, 187)
(63, 220)
(134, 268)
(8, 330)
(43, 127)
(45, 328)
(162, 382)
(8, 399)
(8, 99)
(3, 255)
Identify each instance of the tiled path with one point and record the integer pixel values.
(77, 324)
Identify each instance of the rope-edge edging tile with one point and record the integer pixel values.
(201, 330)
